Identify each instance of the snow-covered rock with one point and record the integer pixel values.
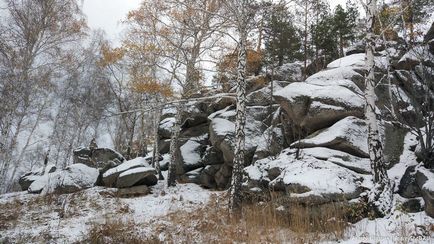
(27, 179)
(165, 128)
(110, 176)
(101, 158)
(304, 178)
(415, 56)
(262, 97)
(425, 180)
(314, 107)
(291, 72)
(349, 135)
(137, 176)
(71, 179)
(192, 153)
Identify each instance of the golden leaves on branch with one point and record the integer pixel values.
(110, 55)
(148, 85)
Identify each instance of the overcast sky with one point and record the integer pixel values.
(107, 14)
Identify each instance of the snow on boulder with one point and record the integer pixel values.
(340, 73)
(191, 154)
(27, 179)
(358, 61)
(101, 158)
(71, 179)
(425, 180)
(348, 135)
(220, 128)
(110, 176)
(356, 164)
(137, 176)
(314, 107)
(416, 55)
(291, 72)
(262, 96)
(304, 178)
(350, 60)
(165, 128)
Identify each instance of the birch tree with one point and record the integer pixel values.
(241, 14)
(381, 195)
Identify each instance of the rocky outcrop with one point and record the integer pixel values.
(348, 135)
(323, 99)
(73, 178)
(425, 181)
(101, 158)
(130, 173)
(305, 178)
(137, 176)
(27, 179)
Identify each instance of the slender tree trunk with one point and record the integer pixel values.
(174, 144)
(381, 195)
(238, 164)
(156, 153)
(305, 40)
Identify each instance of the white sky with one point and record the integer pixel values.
(107, 14)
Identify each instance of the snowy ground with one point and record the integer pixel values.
(68, 218)
(187, 212)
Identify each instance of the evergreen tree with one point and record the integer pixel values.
(324, 38)
(282, 40)
(344, 23)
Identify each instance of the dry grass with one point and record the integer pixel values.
(117, 231)
(10, 213)
(264, 222)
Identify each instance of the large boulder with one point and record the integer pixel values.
(417, 55)
(290, 72)
(192, 153)
(165, 128)
(425, 180)
(71, 179)
(408, 186)
(262, 97)
(98, 157)
(111, 176)
(137, 176)
(27, 179)
(348, 135)
(304, 179)
(313, 107)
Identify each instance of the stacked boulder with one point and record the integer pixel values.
(92, 166)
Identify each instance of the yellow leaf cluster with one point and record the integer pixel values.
(110, 55)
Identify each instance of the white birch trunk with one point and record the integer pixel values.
(174, 144)
(238, 164)
(156, 153)
(381, 195)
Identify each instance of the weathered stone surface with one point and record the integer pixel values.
(137, 176)
(313, 107)
(73, 178)
(412, 206)
(97, 158)
(307, 178)
(425, 181)
(27, 179)
(110, 177)
(408, 186)
(348, 135)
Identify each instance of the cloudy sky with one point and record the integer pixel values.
(107, 14)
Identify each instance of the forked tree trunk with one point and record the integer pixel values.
(235, 192)
(381, 195)
(174, 142)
